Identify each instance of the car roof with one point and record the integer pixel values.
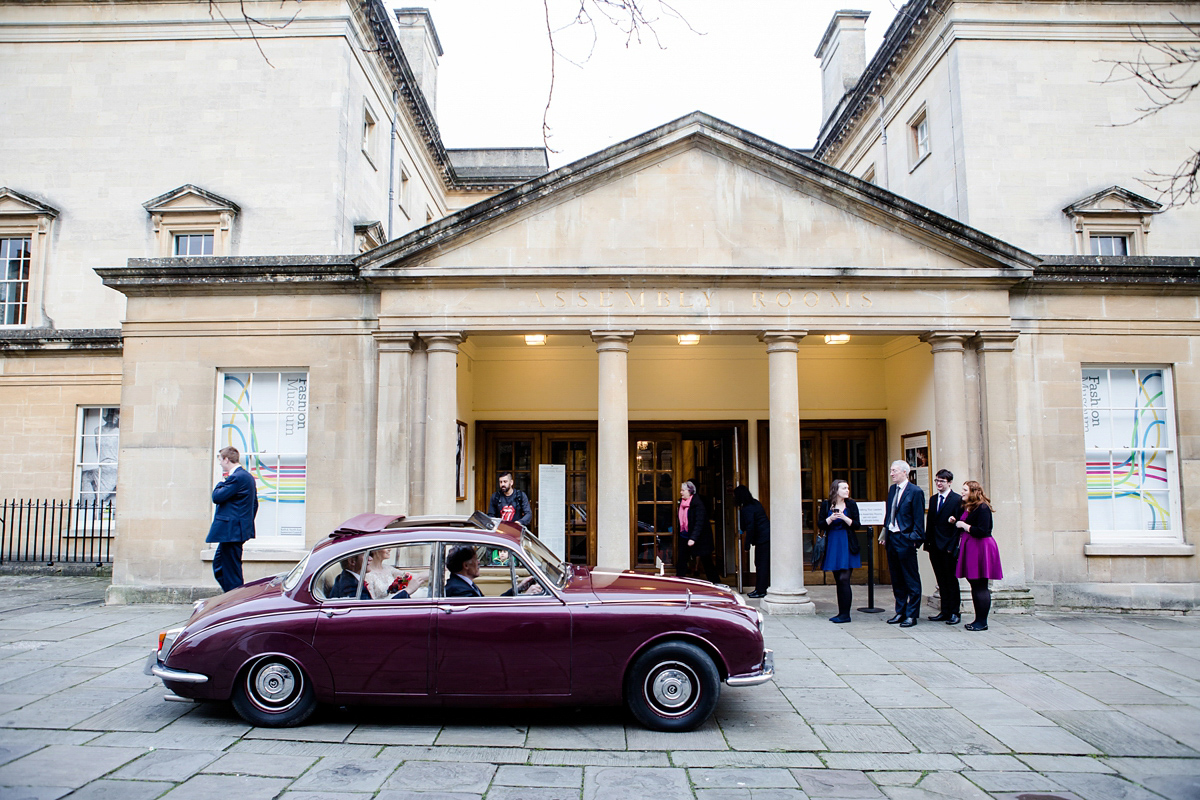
(365, 528)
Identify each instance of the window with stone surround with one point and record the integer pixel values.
(97, 443)
(918, 138)
(16, 256)
(190, 221)
(25, 225)
(1132, 470)
(369, 128)
(264, 414)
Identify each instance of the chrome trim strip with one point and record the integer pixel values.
(168, 674)
(766, 673)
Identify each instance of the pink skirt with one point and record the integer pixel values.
(979, 558)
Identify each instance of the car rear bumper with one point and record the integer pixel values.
(761, 675)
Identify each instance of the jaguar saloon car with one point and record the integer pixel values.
(466, 611)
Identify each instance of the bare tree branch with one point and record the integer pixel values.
(1167, 76)
(250, 22)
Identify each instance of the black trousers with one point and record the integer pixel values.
(227, 565)
(762, 567)
(944, 567)
(906, 575)
(683, 562)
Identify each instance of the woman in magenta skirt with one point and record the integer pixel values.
(978, 556)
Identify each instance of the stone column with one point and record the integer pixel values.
(1001, 478)
(417, 401)
(391, 423)
(786, 594)
(949, 402)
(440, 421)
(612, 445)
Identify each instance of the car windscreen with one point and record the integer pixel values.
(549, 564)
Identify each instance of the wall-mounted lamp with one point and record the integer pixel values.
(688, 338)
(532, 339)
(837, 338)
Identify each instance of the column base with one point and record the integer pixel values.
(788, 604)
(1011, 599)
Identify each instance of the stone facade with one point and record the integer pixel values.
(970, 316)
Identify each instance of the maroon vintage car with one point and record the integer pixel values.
(377, 614)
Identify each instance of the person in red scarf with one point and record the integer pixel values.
(695, 534)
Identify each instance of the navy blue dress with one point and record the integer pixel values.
(837, 539)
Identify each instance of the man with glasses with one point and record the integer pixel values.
(941, 542)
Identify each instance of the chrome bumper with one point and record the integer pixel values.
(167, 674)
(766, 673)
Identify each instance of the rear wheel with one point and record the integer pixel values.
(673, 686)
(274, 692)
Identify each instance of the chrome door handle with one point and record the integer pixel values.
(453, 609)
(334, 612)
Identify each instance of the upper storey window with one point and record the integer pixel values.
(24, 242)
(1112, 222)
(190, 221)
(918, 138)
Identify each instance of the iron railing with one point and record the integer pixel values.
(54, 532)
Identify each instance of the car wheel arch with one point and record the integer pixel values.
(678, 636)
(254, 647)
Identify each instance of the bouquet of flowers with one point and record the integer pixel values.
(400, 583)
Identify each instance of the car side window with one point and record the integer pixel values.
(481, 570)
(399, 572)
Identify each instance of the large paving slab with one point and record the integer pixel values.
(1083, 706)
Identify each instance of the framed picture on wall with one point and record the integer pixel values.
(915, 447)
(460, 462)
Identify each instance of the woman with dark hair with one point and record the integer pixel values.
(839, 519)
(757, 528)
(695, 535)
(978, 556)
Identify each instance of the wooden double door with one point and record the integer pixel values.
(854, 451)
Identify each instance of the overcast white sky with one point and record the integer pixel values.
(753, 66)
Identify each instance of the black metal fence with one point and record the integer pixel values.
(54, 532)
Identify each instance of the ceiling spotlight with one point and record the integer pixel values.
(535, 338)
(688, 338)
(837, 338)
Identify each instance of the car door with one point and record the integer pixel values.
(376, 648)
(515, 646)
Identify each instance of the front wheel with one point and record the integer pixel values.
(274, 693)
(673, 686)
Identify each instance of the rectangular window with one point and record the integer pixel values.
(96, 446)
(193, 244)
(265, 416)
(1129, 436)
(368, 135)
(918, 135)
(16, 256)
(1110, 245)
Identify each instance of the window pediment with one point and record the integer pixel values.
(191, 212)
(1112, 215)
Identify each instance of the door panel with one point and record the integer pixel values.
(376, 647)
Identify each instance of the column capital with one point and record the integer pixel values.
(996, 341)
(946, 341)
(782, 341)
(394, 341)
(443, 341)
(612, 341)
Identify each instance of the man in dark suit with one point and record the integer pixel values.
(903, 532)
(463, 564)
(233, 523)
(941, 542)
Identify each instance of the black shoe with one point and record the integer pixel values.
(908, 622)
(757, 594)
(939, 618)
(895, 619)
(840, 619)
(975, 626)
(954, 619)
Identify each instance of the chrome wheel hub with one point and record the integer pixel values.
(672, 688)
(274, 684)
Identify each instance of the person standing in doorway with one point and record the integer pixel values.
(236, 498)
(757, 528)
(903, 531)
(941, 542)
(839, 519)
(695, 535)
(509, 504)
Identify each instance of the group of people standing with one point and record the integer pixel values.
(955, 529)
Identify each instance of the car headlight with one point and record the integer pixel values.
(166, 640)
(762, 620)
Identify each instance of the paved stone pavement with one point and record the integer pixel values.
(1088, 706)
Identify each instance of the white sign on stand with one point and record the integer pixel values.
(552, 507)
(872, 513)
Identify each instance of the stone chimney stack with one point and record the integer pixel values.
(419, 41)
(843, 54)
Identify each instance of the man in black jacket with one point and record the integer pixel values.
(509, 504)
(903, 532)
(941, 542)
(757, 528)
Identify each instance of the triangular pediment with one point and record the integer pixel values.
(697, 195)
(1114, 199)
(14, 204)
(190, 198)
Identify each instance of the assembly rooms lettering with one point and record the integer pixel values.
(701, 299)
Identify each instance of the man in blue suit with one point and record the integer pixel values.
(903, 532)
(236, 498)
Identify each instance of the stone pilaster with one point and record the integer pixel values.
(612, 445)
(949, 401)
(392, 423)
(440, 421)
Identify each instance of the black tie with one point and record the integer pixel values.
(941, 499)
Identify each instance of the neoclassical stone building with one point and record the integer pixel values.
(694, 303)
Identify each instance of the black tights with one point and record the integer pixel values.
(844, 594)
(981, 598)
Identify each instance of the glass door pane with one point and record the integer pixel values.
(654, 503)
(575, 455)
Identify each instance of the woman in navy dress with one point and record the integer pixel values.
(978, 556)
(839, 519)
